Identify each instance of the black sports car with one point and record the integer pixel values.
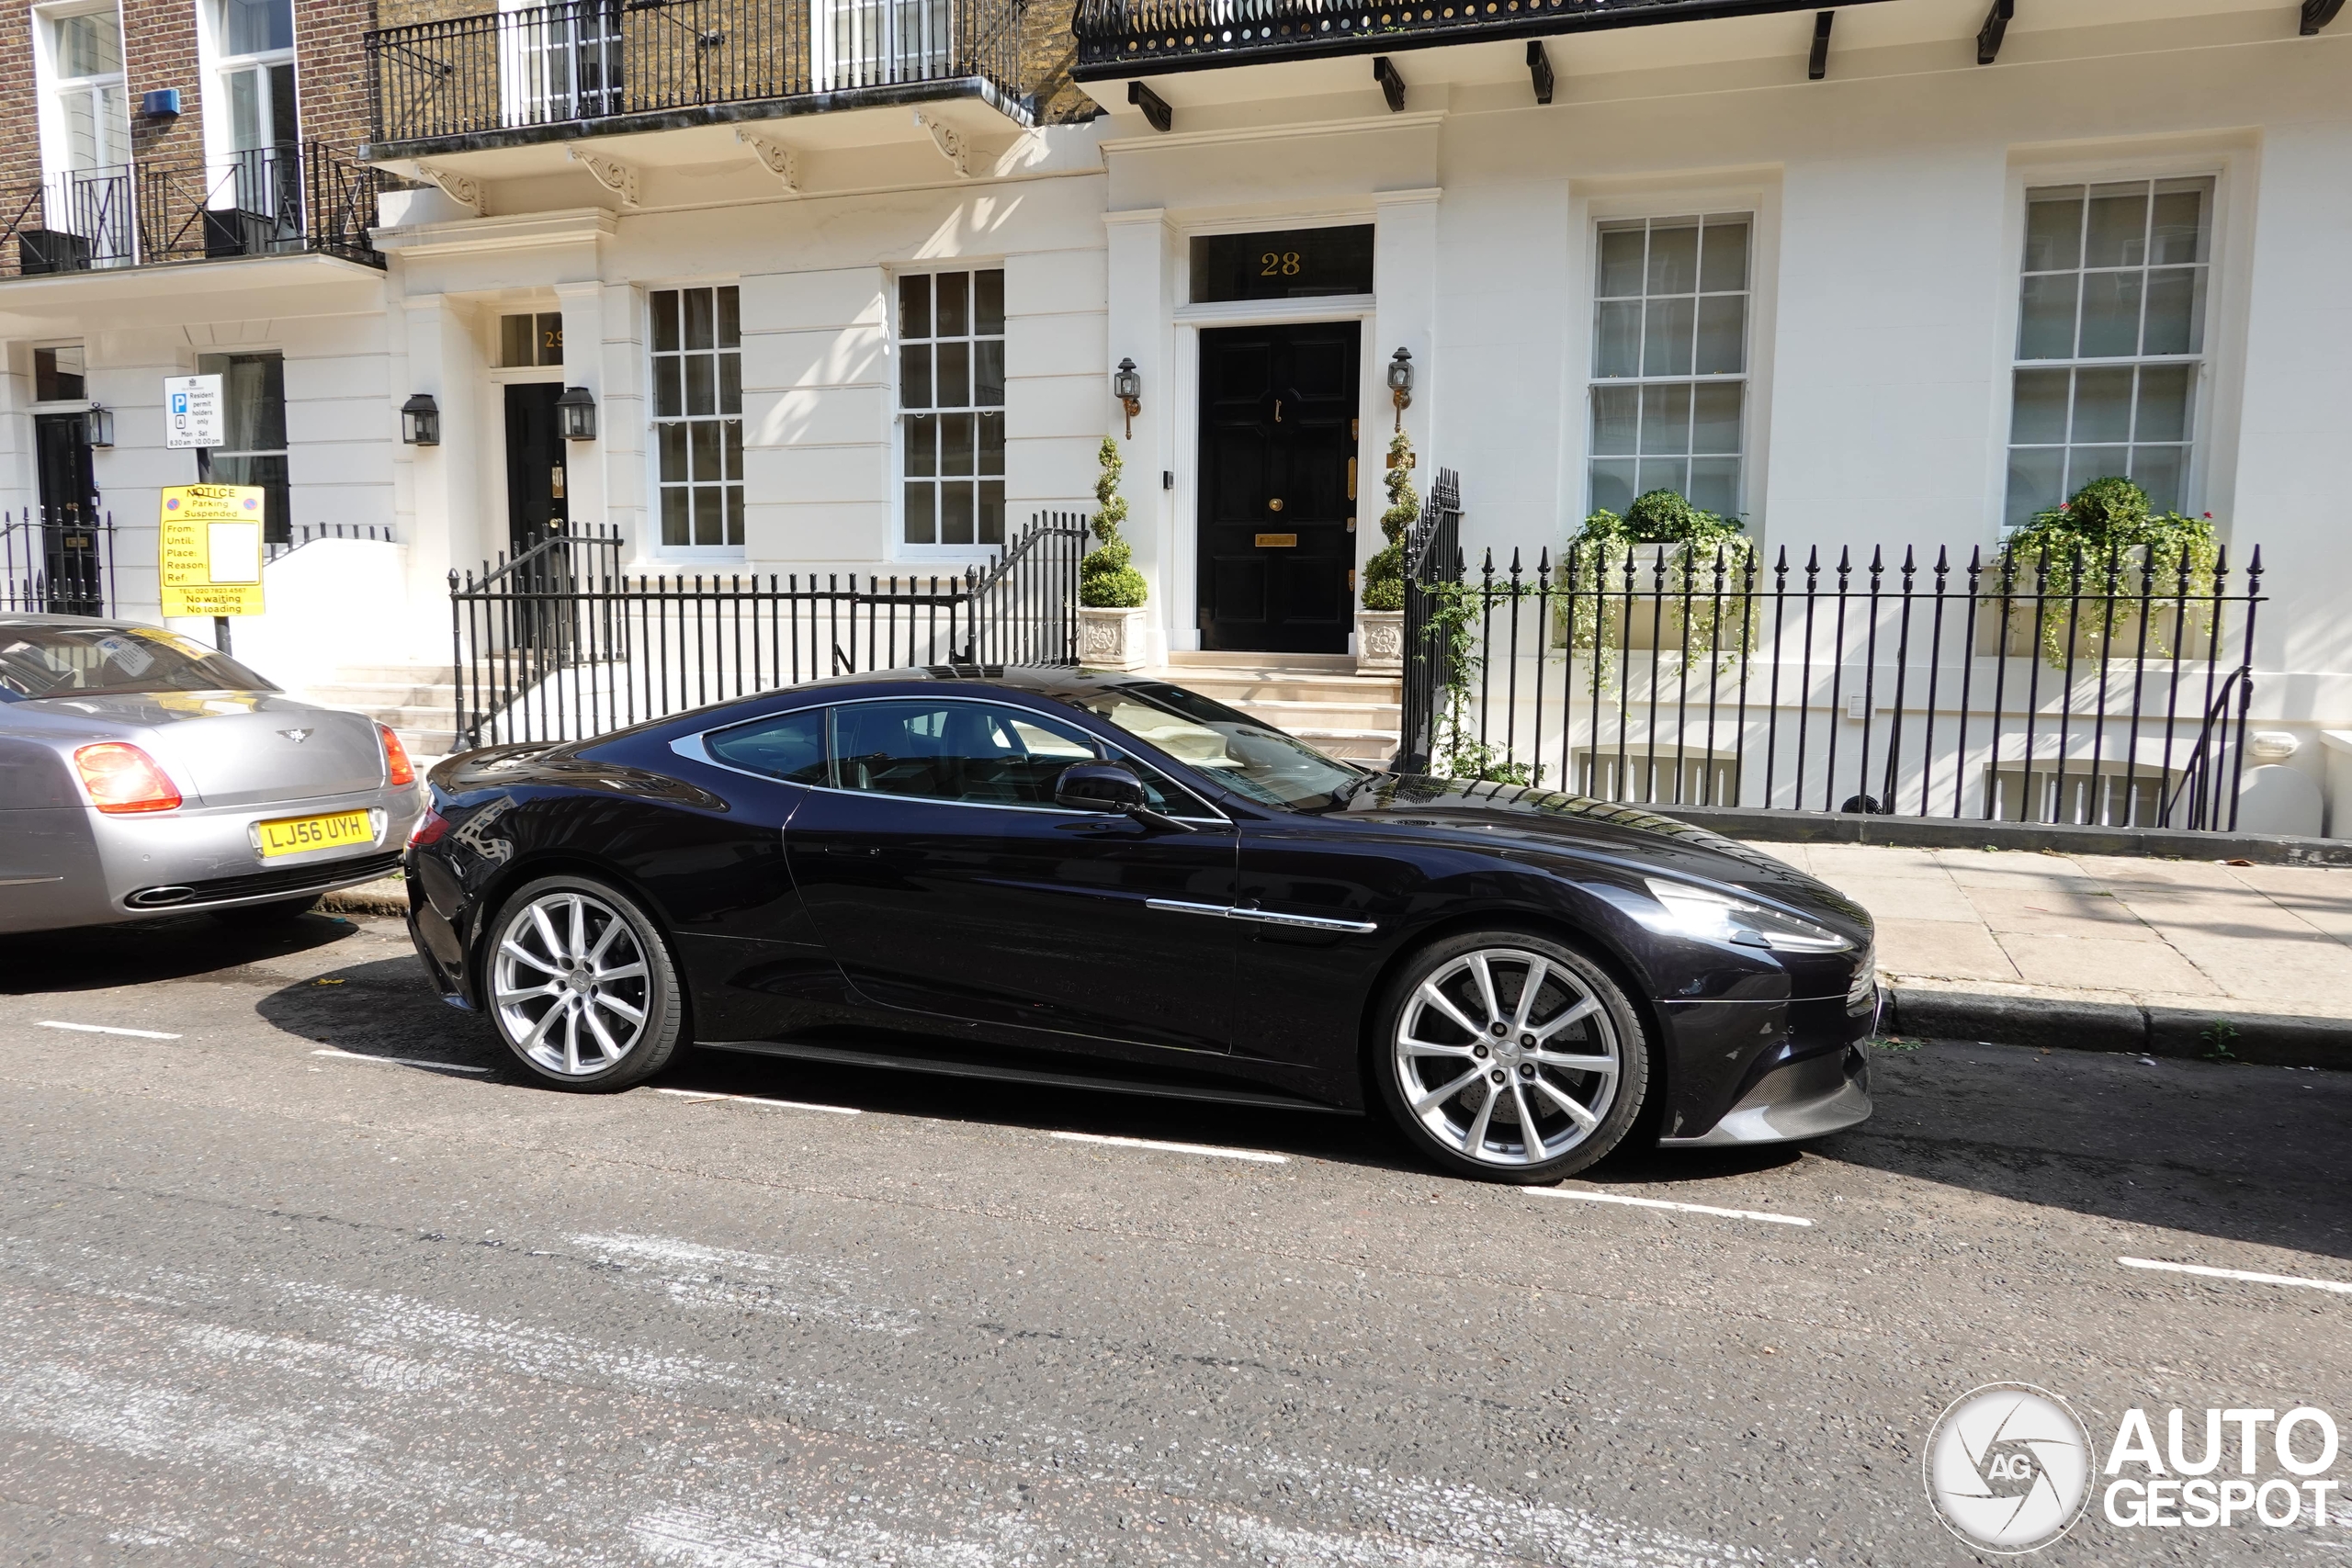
(1109, 881)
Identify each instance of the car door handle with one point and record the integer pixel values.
(1262, 917)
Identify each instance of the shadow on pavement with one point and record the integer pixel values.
(179, 947)
(2231, 1150)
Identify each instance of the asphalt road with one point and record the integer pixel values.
(267, 1295)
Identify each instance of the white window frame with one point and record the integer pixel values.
(221, 152)
(901, 550)
(56, 88)
(1597, 201)
(2232, 163)
(873, 43)
(585, 33)
(654, 547)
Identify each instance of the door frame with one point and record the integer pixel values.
(500, 484)
(1184, 573)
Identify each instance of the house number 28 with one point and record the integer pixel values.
(1278, 263)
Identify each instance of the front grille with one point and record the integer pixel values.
(261, 884)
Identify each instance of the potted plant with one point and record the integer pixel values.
(1675, 551)
(1380, 623)
(1111, 591)
(2089, 564)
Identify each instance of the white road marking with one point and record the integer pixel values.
(401, 1062)
(1210, 1149)
(2340, 1287)
(107, 1029)
(1589, 1196)
(761, 1099)
(695, 1275)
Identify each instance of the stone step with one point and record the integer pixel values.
(1299, 718)
(395, 674)
(386, 694)
(1336, 663)
(1355, 745)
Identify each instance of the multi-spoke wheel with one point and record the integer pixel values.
(582, 986)
(1510, 1057)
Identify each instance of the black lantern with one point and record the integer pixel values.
(420, 421)
(1127, 385)
(575, 415)
(100, 425)
(1400, 383)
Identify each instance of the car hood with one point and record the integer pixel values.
(1545, 820)
(232, 748)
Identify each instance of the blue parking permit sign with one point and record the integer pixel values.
(192, 415)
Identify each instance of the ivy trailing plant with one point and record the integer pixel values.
(1454, 753)
(1697, 540)
(2107, 544)
(1107, 579)
(1384, 575)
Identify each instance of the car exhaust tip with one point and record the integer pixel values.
(156, 897)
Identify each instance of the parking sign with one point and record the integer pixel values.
(192, 411)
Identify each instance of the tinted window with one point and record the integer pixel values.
(1250, 757)
(789, 745)
(965, 751)
(74, 661)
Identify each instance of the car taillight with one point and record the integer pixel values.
(399, 770)
(428, 829)
(122, 778)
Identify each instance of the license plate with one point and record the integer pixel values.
(298, 835)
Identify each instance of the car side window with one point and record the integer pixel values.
(977, 753)
(788, 746)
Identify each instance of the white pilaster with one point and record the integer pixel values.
(1404, 282)
(1142, 297)
(587, 467)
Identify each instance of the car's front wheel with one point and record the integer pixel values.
(1508, 1056)
(582, 986)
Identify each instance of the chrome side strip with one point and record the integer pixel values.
(1262, 917)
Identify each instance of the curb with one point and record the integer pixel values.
(389, 897)
(1958, 833)
(2271, 1040)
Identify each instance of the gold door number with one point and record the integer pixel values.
(1279, 264)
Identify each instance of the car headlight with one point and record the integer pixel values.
(1721, 917)
(1864, 990)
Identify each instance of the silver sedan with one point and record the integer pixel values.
(142, 773)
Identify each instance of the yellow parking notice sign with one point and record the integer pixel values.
(211, 549)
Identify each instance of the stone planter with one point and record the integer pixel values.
(1380, 642)
(1110, 639)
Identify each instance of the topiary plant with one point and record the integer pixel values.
(1107, 579)
(2094, 554)
(1384, 575)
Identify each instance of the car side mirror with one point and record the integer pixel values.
(1100, 787)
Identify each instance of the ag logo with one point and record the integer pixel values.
(2007, 1468)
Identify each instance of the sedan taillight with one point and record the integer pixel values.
(399, 771)
(122, 778)
(428, 829)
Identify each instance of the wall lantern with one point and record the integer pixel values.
(1127, 385)
(1400, 383)
(100, 425)
(420, 421)
(575, 415)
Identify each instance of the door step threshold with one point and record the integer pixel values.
(1341, 663)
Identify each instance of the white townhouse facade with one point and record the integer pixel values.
(846, 283)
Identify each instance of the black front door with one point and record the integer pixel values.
(1278, 510)
(69, 504)
(533, 464)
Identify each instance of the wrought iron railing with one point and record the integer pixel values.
(557, 644)
(265, 202)
(1127, 34)
(2018, 686)
(591, 59)
(57, 561)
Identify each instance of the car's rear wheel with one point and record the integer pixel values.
(582, 986)
(1509, 1056)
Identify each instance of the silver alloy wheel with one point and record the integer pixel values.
(573, 991)
(1506, 1056)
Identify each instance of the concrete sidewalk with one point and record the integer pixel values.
(2061, 943)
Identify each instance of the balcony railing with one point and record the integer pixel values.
(1115, 35)
(597, 60)
(267, 201)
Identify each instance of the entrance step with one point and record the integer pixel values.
(1325, 704)
(418, 702)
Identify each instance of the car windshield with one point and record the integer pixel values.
(1250, 759)
(86, 661)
